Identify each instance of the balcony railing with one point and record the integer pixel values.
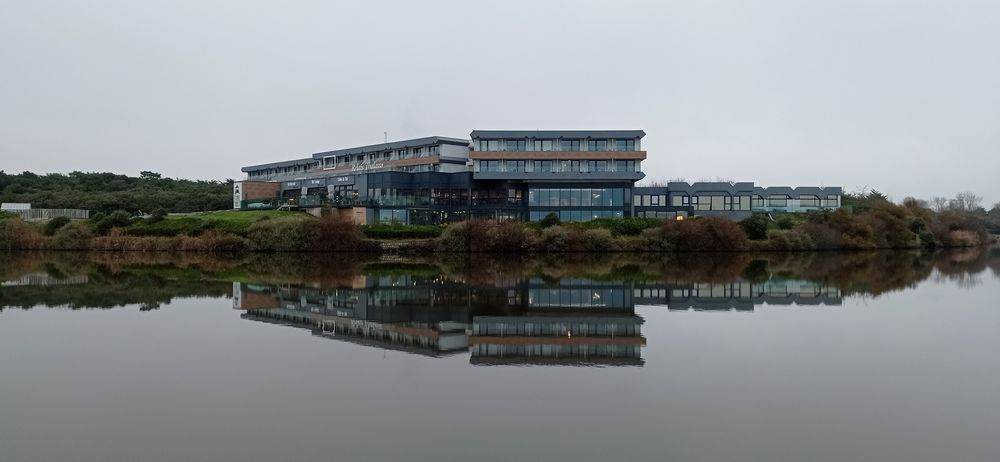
(310, 201)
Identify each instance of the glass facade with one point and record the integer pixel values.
(576, 197)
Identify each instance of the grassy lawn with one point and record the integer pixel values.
(229, 221)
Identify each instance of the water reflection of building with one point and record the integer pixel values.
(45, 279)
(506, 321)
(739, 295)
(573, 321)
(576, 321)
(400, 313)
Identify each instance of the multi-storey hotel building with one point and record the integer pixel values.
(578, 175)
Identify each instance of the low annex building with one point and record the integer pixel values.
(578, 175)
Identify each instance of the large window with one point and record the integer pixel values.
(830, 201)
(543, 166)
(742, 203)
(489, 166)
(777, 200)
(594, 166)
(576, 197)
(433, 150)
(624, 145)
(517, 165)
(418, 152)
(624, 165)
(543, 145)
(807, 200)
(492, 145)
(597, 145)
(515, 145)
(569, 145)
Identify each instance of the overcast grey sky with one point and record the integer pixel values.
(903, 96)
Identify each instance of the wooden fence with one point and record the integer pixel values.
(48, 214)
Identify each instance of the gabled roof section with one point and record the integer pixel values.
(493, 134)
(381, 147)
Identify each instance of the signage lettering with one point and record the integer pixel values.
(368, 165)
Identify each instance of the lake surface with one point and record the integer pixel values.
(782, 357)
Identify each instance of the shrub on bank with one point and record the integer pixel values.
(702, 234)
(54, 224)
(468, 236)
(15, 233)
(73, 236)
(755, 226)
(322, 235)
(627, 226)
(785, 240)
(117, 219)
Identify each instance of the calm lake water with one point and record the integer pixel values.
(789, 357)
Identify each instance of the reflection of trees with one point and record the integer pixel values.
(149, 279)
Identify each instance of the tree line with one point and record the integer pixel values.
(108, 192)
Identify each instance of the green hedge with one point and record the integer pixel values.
(628, 226)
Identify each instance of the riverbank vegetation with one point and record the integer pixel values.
(113, 279)
(875, 223)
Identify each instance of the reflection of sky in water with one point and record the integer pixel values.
(896, 369)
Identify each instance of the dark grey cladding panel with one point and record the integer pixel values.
(381, 147)
(287, 163)
(496, 134)
(711, 186)
(405, 180)
(801, 190)
(707, 188)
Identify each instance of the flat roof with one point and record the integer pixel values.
(381, 147)
(557, 134)
(285, 163)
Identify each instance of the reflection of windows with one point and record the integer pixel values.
(489, 166)
(777, 200)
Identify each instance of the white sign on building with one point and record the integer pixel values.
(237, 194)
